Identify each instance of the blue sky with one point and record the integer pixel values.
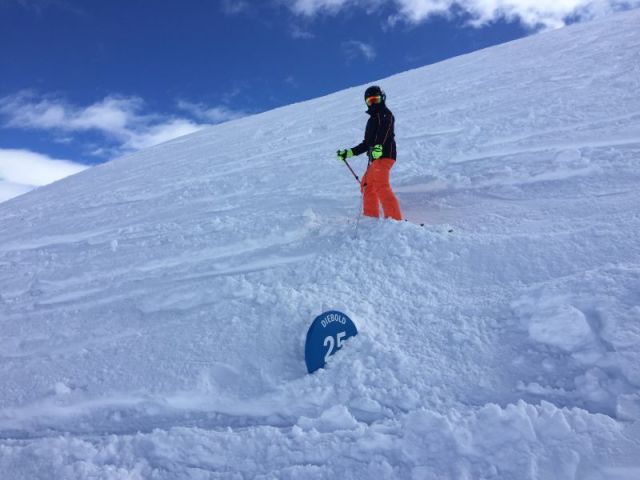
(87, 81)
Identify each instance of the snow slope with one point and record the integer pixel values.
(153, 310)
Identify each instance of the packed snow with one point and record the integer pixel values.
(153, 310)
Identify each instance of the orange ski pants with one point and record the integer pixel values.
(376, 189)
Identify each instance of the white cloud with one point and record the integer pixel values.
(122, 120)
(354, 49)
(234, 7)
(299, 33)
(291, 81)
(40, 7)
(203, 112)
(312, 7)
(112, 115)
(22, 171)
(162, 132)
(548, 13)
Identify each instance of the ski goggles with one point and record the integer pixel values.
(371, 100)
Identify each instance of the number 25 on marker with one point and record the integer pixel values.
(333, 345)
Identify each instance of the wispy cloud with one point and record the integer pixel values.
(299, 33)
(123, 121)
(161, 132)
(354, 49)
(234, 7)
(291, 81)
(40, 7)
(217, 114)
(312, 7)
(534, 13)
(112, 115)
(22, 171)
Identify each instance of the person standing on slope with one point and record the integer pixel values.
(380, 144)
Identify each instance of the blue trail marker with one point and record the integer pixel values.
(325, 337)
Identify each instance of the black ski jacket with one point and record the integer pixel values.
(380, 130)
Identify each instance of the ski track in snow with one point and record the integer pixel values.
(153, 310)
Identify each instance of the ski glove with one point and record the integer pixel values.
(376, 152)
(344, 154)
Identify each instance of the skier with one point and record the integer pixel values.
(380, 145)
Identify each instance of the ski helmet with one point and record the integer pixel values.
(372, 92)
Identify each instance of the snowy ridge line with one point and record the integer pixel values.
(549, 147)
(574, 128)
(136, 421)
(51, 241)
(52, 350)
(270, 255)
(249, 267)
(440, 185)
(473, 437)
(122, 414)
(579, 127)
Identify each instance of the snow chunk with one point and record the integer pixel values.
(335, 418)
(561, 325)
(553, 320)
(61, 388)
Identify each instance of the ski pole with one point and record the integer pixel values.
(352, 172)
